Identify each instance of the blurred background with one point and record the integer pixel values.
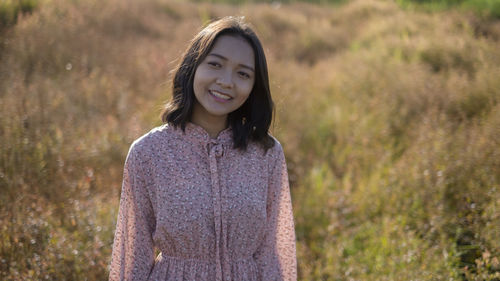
(388, 111)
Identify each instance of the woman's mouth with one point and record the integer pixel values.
(219, 96)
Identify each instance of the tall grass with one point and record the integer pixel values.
(240, 2)
(10, 10)
(490, 8)
(389, 119)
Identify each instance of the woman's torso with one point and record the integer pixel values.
(209, 202)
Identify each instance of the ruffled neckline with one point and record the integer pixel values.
(199, 134)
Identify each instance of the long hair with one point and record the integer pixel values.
(251, 121)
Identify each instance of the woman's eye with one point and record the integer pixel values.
(244, 74)
(214, 64)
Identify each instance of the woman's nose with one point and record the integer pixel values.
(225, 79)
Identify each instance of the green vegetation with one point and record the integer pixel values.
(389, 117)
(11, 9)
(240, 2)
(490, 8)
(487, 7)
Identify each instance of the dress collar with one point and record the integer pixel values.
(197, 133)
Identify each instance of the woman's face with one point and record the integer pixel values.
(224, 79)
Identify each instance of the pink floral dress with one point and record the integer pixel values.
(212, 211)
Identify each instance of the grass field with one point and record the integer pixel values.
(388, 112)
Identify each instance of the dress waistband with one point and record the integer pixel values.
(179, 268)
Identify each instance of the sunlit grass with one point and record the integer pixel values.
(389, 118)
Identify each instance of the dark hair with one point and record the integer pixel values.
(251, 120)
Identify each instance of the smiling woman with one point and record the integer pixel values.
(209, 189)
(222, 82)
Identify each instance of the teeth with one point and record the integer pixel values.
(219, 95)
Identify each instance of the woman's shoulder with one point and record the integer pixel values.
(148, 143)
(270, 153)
(154, 135)
(276, 152)
(277, 144)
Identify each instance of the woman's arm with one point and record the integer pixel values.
(276, 256)
(133, 249)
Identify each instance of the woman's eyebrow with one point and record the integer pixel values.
(224, 58)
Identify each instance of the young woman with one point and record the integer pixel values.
(209, 189)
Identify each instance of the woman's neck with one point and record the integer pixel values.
(212, 124)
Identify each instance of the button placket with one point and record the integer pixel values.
(216, 150)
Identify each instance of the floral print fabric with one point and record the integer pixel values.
(212, 211)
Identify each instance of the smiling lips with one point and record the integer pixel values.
(220, 96)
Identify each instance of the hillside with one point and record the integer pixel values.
(389, 118)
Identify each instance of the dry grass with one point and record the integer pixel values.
(389, 118)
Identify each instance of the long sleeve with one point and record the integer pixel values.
(276, 256)
(133, 250)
